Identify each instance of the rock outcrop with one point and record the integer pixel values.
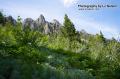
(40, 21)
(42, 25)
(47, 28)
(55, 25)
(30, 23)
(10, 19)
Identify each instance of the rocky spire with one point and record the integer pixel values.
(55, 25)
(40, 20)
(10, 19)
(29, 22)
(42, 25)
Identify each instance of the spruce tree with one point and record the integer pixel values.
(68, 28)
(101, 37)
(1, 18)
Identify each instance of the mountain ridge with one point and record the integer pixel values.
(39, 24)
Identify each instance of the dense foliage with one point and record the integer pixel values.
(29, 54)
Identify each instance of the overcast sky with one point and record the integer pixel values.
(107, 20)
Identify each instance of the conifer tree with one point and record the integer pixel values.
(68, 28)
(101, 37)
(1, 18)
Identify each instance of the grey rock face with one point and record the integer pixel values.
(55, 25)
(40, 20)
(10, 19)
(30, 23)
(47, 28)
(42, 25)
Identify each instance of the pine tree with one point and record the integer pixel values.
(101, 37)
(68, 28)
(1, 18)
